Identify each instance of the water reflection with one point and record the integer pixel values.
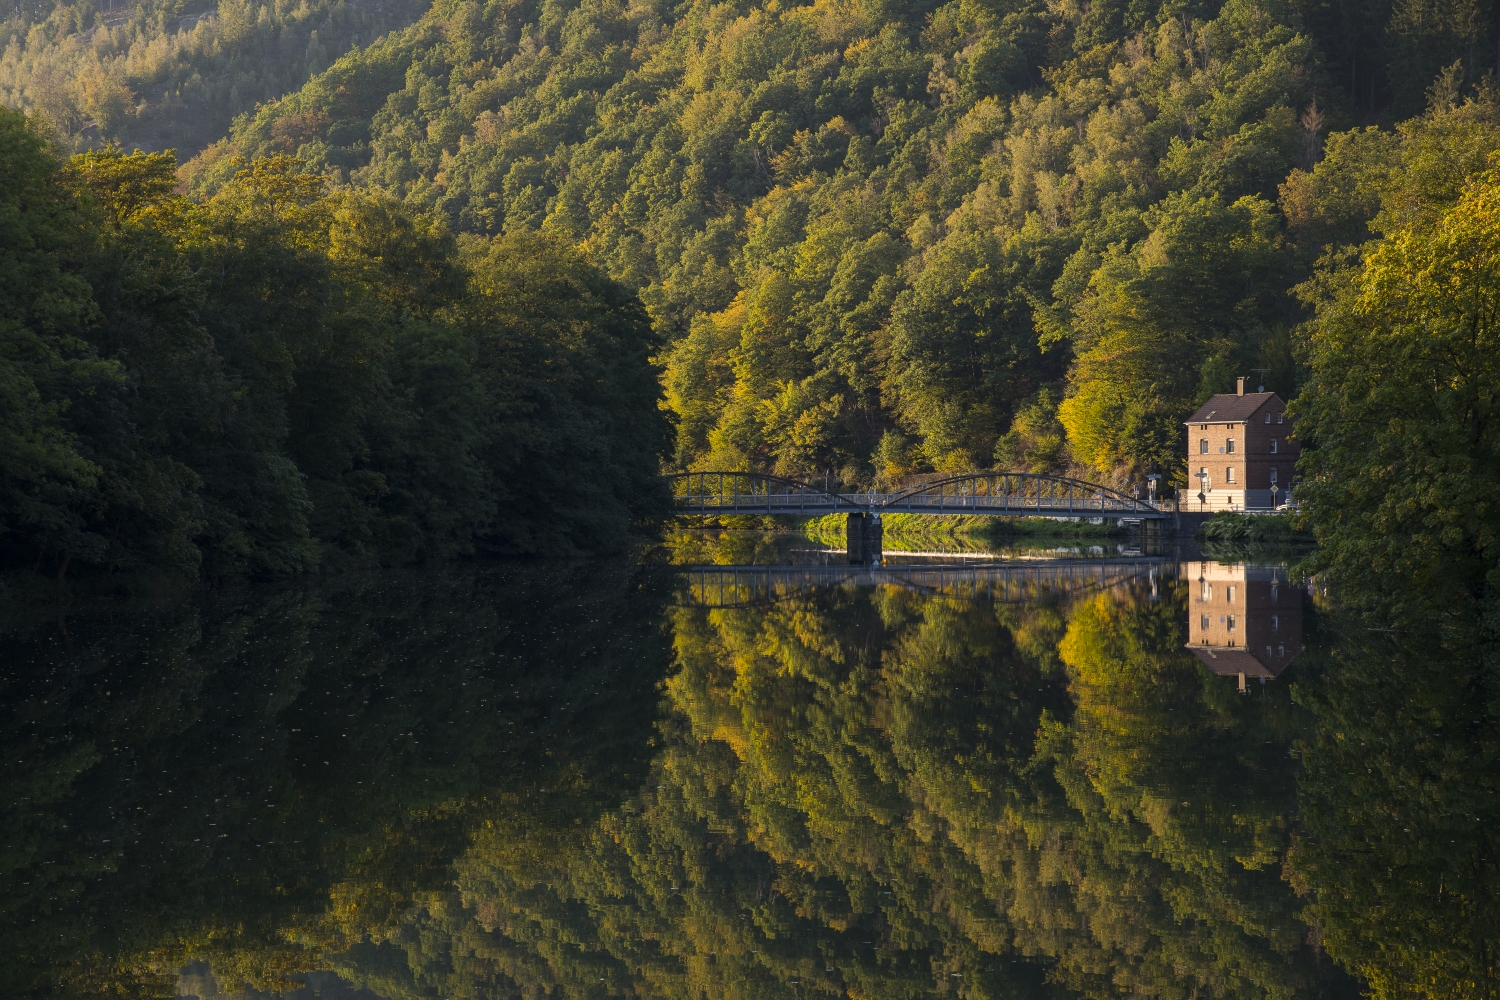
(1244, 620)
(989, 781)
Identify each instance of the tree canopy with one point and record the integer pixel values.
(284, 376)
(872, 235)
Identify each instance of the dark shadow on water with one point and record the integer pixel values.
(202, 777)
(1053, 775)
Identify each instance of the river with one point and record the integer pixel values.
(741, 769)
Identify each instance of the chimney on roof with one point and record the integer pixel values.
(1239, 387)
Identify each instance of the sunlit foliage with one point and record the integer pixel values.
(1402, 400)
(876, 236)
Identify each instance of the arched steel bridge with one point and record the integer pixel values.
(1013, 494)
(1008, 582)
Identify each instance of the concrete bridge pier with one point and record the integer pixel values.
(864, 539)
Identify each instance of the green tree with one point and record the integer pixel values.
(1202, 284)
(1400, 404)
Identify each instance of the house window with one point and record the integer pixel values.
(1273, 446)
(1208, 590)
(1204, 623)
(1278, 418)
(1231, 623)
(1275, 623)
(1231, 446)
(1268, 652)
(1229, 474)
(1268, 418)
(1229, 595)
(1203, 446)
(1280, 650)
(1273, 468)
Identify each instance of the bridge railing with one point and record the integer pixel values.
(1017, 493)
(749, 492)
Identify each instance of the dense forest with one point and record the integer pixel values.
(281, 377)
(887, 238)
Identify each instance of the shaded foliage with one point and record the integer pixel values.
(283, 377)
(257, 777)
(161, 73)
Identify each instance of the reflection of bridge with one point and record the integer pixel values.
(745, 586)
(1015, 494)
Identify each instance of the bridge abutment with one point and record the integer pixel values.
(864, 539)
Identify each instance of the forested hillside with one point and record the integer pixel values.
(884, 238)
(281, 378)
(173, 73)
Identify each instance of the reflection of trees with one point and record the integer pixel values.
(875, 793)
(1400, 789)
(856, 792)
(1177, 794)
(260, 780)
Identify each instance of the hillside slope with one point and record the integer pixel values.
(887, 237)
(174, 73)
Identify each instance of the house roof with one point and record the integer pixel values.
(1227, 661)
(1228, 408)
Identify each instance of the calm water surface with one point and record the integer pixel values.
(747, 770)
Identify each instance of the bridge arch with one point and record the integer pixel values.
(998, 493)
(1016, 492)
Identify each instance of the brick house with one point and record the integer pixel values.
(1244, 621)
(1242, 444)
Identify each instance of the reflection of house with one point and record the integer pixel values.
(1239, 447)
(1243, 620)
